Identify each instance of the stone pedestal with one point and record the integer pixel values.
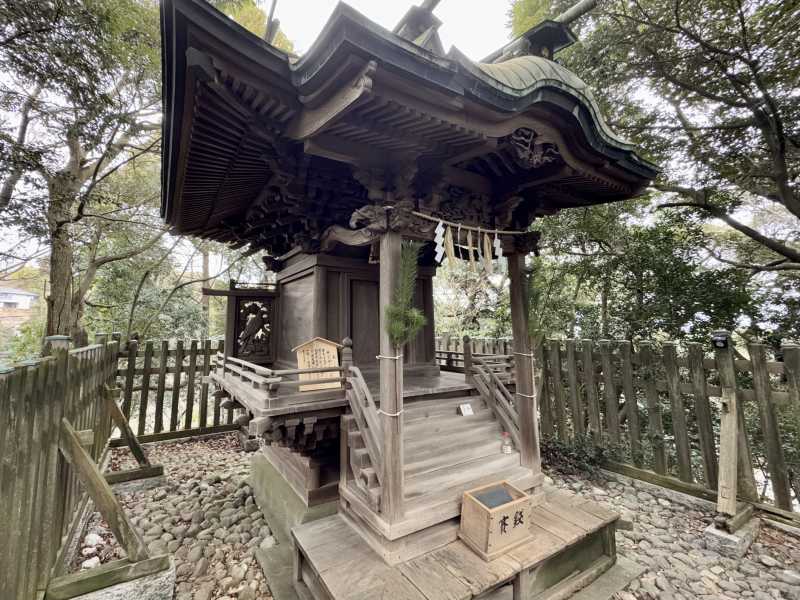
(282, 506)
(732, 545)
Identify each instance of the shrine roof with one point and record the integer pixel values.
(268, 149)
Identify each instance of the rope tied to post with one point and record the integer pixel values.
(381, 357)
(397, 414)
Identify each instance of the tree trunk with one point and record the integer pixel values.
(61, 317)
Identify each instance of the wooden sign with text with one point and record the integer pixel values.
(318, 353)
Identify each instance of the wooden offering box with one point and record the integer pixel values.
(494, 519)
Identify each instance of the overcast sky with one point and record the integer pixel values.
(476, 27)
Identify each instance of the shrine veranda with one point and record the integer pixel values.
(325, 164)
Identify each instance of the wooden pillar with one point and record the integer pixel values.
(527, 405)
(391, 384)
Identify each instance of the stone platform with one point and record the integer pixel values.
(573, 543)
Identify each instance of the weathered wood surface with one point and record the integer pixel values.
(40, 491)
(333, 556)
(100, 491)
(391, 384)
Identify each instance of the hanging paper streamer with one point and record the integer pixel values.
(478, 253)
(448, 246)
(498, 246)
(487, 253)
(439, 240)
(470, 255)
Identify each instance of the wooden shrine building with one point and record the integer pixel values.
(325, 163)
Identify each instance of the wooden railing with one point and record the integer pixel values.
(366, 415)
(454, 354)
(55, 426)
(491, 376)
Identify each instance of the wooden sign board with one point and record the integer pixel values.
(318, 353)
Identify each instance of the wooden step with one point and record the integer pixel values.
(439, 408)
(446, 425)
(421, 445)
(427, 447)
(454, 456)
(461, 476)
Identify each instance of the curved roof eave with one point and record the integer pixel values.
(492, 92)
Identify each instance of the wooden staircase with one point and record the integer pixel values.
(444, 454)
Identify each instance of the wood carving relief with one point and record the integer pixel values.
(530, 153)
(254, 329)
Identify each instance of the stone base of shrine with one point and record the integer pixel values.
(283, 505)
(572, 544)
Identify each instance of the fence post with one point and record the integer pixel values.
(734, 454)
(52, 343)
(347, 355)
(467, 359)
(101, 338)
(776, 463)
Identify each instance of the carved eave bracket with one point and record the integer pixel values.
(369, 222)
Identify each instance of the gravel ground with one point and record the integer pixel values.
(207, 518)
(667, 538)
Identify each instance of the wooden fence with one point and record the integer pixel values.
(656, 410)
(165, 391)
(40, 492)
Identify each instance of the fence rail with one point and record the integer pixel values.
(40, 491)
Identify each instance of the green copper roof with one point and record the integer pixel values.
(522, 75)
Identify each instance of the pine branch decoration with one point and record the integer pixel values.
(403, 321)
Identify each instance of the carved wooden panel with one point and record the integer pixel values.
(253, 330)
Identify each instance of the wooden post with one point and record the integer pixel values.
(776, 463)
(791, 364)
(525, 400)
(391, 384)
(610, 391)
(467, 359)
(631, 402)
(576, 406)
(735, 464)
(705, 427)
(347, 355)
(558, 389)
(679, 428)
(655, 423)
(591, 391)
(53, 343)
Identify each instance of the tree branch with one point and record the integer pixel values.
(699, 200)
